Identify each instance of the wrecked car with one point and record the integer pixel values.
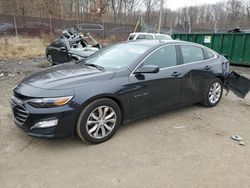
(118, 84)
(70, 46)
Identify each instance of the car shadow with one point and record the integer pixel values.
(158, 115)
(75, 143)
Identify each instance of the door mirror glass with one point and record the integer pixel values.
(148, 69)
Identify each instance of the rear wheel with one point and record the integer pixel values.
(50, 60)
(213, 93)
(98, 121)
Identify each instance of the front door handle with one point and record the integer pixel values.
(207, 67)
(175, 74)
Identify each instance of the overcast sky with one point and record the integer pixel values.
(175, 4)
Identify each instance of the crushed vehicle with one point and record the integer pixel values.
(148, 36)
(118, 84)
(71, 45)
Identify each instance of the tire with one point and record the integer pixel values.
(50, 60)
(95, 127)
(213, 93)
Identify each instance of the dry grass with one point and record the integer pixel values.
(22, 47)
(12, 47)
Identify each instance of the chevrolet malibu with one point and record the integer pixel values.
(130, 80)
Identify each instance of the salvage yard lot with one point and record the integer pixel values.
(188, 147)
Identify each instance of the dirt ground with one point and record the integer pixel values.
(188, 147)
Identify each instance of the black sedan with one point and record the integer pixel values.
(120, 83)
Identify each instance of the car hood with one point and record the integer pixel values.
(67, 76)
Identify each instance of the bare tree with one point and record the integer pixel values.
(217, 15)
(150, 7)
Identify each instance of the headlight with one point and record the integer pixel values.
(49, 102)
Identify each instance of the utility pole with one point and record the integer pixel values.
(160, 17)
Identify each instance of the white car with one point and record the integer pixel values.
(148, 36)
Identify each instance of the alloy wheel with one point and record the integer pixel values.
(214, 92)
(101, 122)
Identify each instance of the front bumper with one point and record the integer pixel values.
(26, 116)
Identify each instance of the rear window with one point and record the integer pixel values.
(191, 54)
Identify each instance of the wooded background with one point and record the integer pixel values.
(221, 16)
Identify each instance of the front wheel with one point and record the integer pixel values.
(213, 93)
(98, 121)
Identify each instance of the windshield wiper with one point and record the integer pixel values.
(90, 64)
(94, 65)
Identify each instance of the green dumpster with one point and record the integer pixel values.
(235, 45)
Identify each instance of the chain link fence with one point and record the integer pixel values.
(33, 26)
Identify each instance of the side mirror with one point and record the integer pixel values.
(148, 69)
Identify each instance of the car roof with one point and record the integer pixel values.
(161, 34)
(157, 43)
(136, 33)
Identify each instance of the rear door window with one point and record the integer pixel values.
(143, 36)
(191, 54)
(149, 37)
(140, 37)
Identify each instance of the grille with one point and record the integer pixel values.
(19, 112)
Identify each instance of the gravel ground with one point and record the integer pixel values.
(188, 147)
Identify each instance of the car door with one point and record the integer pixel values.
(155, 91)
(199, 67)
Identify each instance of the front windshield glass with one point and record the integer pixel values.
(117, 56)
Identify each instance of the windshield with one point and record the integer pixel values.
(117, 56)
(163, 37)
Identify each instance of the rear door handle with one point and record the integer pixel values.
(207, 67)
(175, 74)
